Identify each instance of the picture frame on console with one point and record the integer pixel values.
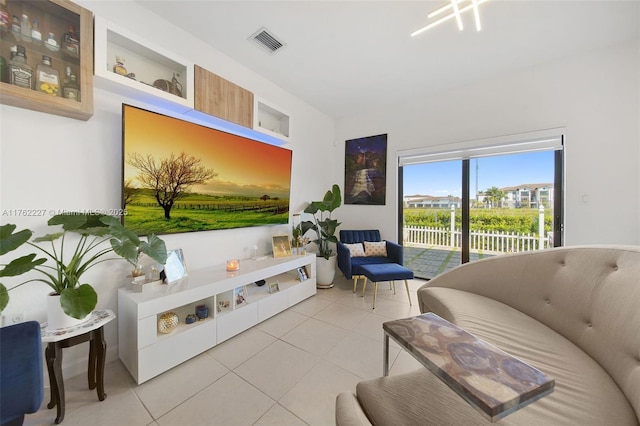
(274, 287)
(281, 245)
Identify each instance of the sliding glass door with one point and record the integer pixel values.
(456, 211)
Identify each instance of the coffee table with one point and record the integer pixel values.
(489, 379)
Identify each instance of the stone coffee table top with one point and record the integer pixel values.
(490, 379)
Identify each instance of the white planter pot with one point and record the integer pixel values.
(325, 271)
(56, 318)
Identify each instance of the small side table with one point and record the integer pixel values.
(489, 379)
(91, 331)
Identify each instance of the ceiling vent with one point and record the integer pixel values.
(267, 40)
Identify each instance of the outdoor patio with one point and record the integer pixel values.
(427, 262)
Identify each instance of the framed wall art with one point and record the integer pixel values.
(365, 170)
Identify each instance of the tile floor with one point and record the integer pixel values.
(287, 370)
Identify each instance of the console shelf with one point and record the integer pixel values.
(146, 352)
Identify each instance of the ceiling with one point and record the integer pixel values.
(344, 57)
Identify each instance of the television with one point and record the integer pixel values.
(179, 176)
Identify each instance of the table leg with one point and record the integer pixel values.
(91, 368)
(385, 355)
(53, 354)
(100, 354)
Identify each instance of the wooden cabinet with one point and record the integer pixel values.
(146, 352)
(219, 97)
(54, 18)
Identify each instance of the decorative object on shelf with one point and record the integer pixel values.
(119, 68)
(298, 240)
(51, 43)
(190, 319)
(302, 274)
(260, 283)
(47, 77)
(325, 228)
(20, 73)
(71, 42)
(223, 305)
(167, 322)
(202, 312)
(281, 245)
(174, 87)
(233, 265)
(365, 170)
(274, 287)
(64, 276)
(70, 87)
(175, 267)
(240, 296)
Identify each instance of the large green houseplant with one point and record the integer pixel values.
(63, 271)
(324, 226)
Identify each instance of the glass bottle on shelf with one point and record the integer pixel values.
(15, 28)
(119, 68)
(51, 43)
(20, 74)
(70, 88)
(4, 70)
(25, 28)
(5, 17)
(71, 42)
(47, 78)
(36, 35)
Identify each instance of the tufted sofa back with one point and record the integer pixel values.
(588, 294)
(359, 236)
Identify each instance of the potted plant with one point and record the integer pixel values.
(325, 228)
(64, 272)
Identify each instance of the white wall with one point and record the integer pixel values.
(594, 96)
(50, 162)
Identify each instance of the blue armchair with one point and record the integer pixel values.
(21, 381)
(350, 266)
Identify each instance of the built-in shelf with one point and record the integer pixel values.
(271, 120)
(146, 352)
(156, 76)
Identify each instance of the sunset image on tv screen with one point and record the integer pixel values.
(179, 177)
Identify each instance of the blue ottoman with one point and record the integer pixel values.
(385, 272)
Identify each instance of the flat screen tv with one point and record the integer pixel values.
(179, 176)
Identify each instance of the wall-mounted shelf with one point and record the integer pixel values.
(53, 17)
(154, 67)
(146, 352)
(271, 120)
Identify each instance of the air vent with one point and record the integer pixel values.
(267, 40)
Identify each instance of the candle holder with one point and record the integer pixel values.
(233, 265)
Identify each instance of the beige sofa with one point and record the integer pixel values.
(573, 313)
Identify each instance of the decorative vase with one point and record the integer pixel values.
(168, 322)
(56, 318)
(326, 271)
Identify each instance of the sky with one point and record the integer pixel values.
(444, 178)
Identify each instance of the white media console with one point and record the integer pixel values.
(146, 352)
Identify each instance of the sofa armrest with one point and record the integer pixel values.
(395, 252)
(349, 412)
(344, 259)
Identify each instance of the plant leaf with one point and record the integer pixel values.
(68, 221)
(78, 303)
(155, 248)
(117, 230)
(48, 237)
(4, 297)
(125, 248)
(21, 265)
(10, 241)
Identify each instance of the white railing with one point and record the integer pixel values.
(485, 241)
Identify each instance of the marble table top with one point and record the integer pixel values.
(95, 320)
(490, 379)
